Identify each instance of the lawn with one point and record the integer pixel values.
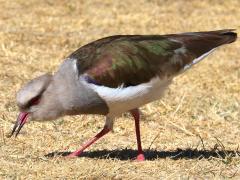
(192, 132)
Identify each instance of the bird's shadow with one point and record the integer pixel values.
(128, 154)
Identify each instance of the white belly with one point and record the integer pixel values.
(120, 100)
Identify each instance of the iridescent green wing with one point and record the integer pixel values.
(132, 60)
(127, 60)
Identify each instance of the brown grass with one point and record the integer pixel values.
(193, 132)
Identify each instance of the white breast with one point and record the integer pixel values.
(122, 99)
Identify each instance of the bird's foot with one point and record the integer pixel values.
(74, 154)
(140, 157)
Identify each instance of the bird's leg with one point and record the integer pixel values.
(104, 131)
(135, 113)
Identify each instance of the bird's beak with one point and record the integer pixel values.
(21, 120)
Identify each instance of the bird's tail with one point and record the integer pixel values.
(200, 44)
(227, 35)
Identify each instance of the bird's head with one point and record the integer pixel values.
(36, 101)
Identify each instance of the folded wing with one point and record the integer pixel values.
(134, 59)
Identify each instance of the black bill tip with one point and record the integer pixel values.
(21, 120)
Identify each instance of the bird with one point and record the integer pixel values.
(115, 75)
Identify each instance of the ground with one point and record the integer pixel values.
(193, 132)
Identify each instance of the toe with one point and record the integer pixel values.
(140, 157)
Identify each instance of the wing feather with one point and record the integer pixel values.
(134, 59)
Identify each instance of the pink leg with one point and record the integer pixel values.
(135, 113)
(104, 131)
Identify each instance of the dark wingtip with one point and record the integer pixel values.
(227, 35)
(230, 35)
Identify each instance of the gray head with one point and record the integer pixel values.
(30, 94)
(40, 98)
(37, 101)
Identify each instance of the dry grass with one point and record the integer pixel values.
(193, 132)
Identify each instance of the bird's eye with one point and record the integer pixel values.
(34, 100)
